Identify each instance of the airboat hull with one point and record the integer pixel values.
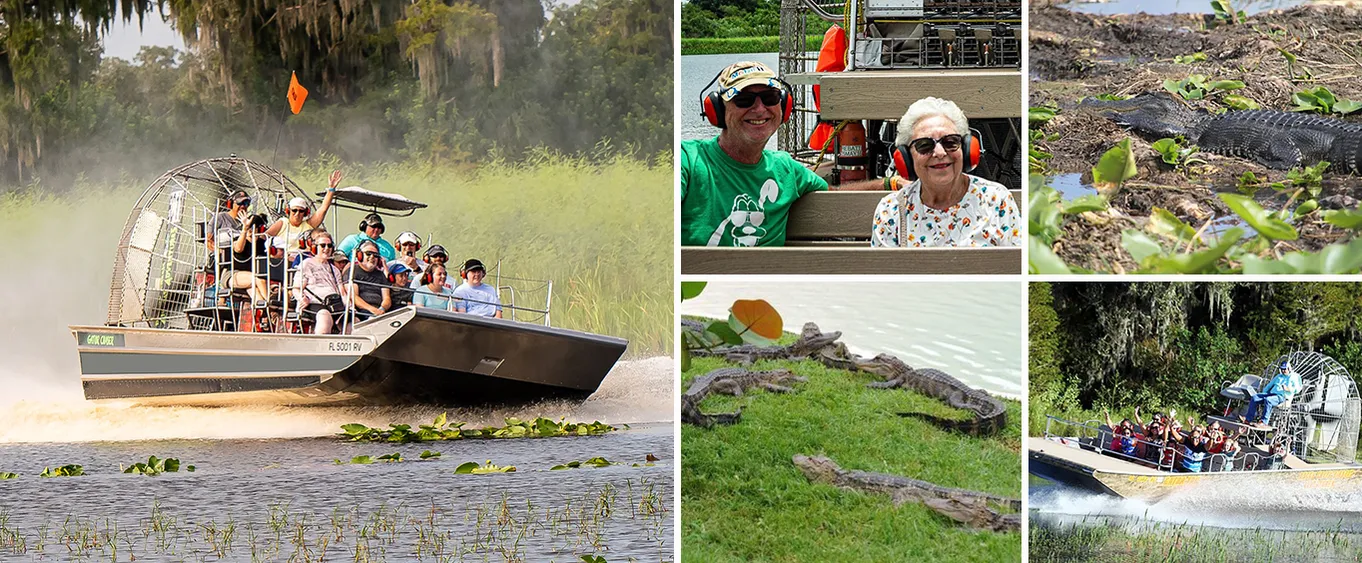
(408, 356)
(1066, 463)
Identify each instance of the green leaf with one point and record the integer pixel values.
(172, 465)
(1345, 107)
(1139, 245)
(1197, 262)
(1116, 165)
(429, 454)
(1040, 115)
(362, 460)
(1163, 223)
(692, 289)
(1343, 218)
(685, 358)
(725, 332)
(466, 468)
(1044, 219)
(1090, 202)
(1240, 102)
(1043, 259)
(1226, 85)
(1306, 207)
(354, 429)
(1168, 148)
(1266, 223)
(441, 420)
(4, 476)
(1332, 259)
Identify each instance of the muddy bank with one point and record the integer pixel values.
(1075, 55)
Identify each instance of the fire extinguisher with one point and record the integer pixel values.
(851, 162)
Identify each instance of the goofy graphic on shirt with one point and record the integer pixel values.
(743, 223)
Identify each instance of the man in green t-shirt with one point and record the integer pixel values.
(734, 192)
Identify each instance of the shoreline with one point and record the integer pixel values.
(740, 45)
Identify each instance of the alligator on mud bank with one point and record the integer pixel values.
(1276, 139)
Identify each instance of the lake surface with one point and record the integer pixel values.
(267, 486)
(972, 330)
(698, 70)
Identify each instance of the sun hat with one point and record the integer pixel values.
(743, 74)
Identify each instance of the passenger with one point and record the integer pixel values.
(320, 287)
(400, 278)
(250, 245)
(432, 291)
(436, 255)
(734, 192)
(1194, 447)
(475, 297)
(407, 246)
(300, 218)
(368, 285)
(942, 206)
(227, 225)
(1124, 437)
(340, 260)
(370, 230)
(1279, 390)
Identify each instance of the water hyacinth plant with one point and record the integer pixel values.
(441, 429)
(155, 466)
(472, 468)
(63, 471)
(597, 462)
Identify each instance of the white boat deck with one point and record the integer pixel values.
(1088, 458)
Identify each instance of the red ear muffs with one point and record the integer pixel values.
(712, 106)
(973, 153)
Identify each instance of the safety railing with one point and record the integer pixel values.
(1163, 456)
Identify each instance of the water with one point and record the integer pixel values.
(257, 465)
(1207, 505)
(972, 330)
(698, 70)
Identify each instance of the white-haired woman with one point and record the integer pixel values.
(301, 219)
(941, 205)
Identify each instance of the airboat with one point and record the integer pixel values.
(1312, 443)
(173, 337)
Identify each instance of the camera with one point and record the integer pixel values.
(256, 221)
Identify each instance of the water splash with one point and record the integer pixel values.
(1214, 504)
(634, 391)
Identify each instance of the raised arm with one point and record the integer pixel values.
(316, 219)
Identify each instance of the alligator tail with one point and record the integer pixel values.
(978, 426)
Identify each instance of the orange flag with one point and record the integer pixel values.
(296, 94)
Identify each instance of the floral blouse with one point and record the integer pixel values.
(985, 216)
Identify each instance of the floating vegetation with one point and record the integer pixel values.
(473, 468)
(63, 471)
(593, 462)
(430, 455)
(441, 429)
(4, 476)
(155, 466)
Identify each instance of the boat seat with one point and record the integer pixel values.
(1243, 389)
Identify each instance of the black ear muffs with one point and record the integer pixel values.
(712, 104)
(971, 145)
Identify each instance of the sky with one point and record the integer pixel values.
(124, 40)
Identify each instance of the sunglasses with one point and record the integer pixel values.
(361, 254)
(326, 245)
(295, 210)
(243, 202)
(768, 98)
(926, 145)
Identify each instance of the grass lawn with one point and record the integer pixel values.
(743, 499)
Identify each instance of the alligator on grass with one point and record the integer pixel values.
(1279, 140)
(990, 415)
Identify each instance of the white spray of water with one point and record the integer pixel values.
(635, 391)
(1215, 503)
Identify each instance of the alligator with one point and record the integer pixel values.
(1276, 139)
(962, 505)
(810, 341)
(990, 413)
(730, 381)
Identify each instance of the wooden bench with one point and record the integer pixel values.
(829, 233)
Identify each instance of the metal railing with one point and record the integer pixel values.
(1096, 436)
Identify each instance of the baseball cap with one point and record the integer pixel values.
(373, 219)
(339, 257)
(298, 203)
(436, 250)
(398, 268)
(741, 75)
(473, 264)
(408, 236)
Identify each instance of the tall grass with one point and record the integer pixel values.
(737, 45)
(602, 231)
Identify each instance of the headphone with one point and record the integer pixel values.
(428, 275)
(712, 104)
(970, 145)
(364, 224)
